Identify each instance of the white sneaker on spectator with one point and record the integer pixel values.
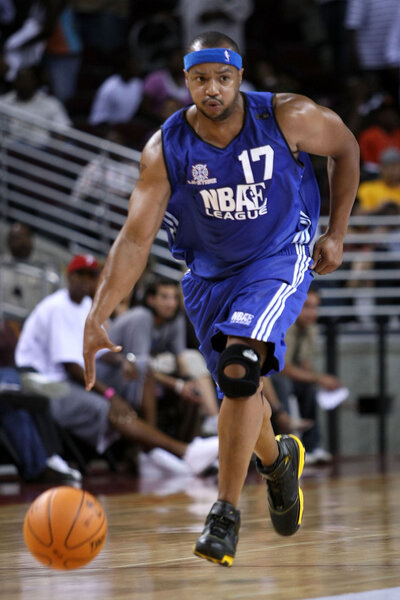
(210, 426)
(167, 462)
(57, 463)
(319, 456)
(147, 468)
(201, 454)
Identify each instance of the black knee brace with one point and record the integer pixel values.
(239, 354)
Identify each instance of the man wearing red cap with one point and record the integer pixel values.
(51, 343)
(83, 262)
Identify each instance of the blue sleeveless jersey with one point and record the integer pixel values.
(232, 206)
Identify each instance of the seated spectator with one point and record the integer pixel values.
(51, 343)
(383, 133)
(31, 434)
(28, 97)
(155, 334)
(119, 97)
(373, 195)
(165, 84)
(25, 277)
(299, 378)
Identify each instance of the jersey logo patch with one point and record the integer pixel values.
(242, 203)
(200, 175)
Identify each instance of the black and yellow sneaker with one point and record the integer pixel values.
(285, 497)
(220, 535)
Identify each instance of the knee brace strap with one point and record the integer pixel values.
(239, 354)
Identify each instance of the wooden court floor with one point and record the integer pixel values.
(349, 543)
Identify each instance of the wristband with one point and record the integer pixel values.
(109, 393)
(179, 385)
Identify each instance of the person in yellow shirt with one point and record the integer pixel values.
(372, 195)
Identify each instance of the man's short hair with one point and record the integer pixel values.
(213, 39)
(153, 287)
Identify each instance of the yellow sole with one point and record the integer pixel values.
(225, 561)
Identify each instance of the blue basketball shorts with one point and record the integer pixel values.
(260, 302)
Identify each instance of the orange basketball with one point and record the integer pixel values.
(65, 528)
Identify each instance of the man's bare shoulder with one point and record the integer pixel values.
(288, 105)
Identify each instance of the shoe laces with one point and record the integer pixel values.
(219, 525)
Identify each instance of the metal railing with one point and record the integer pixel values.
(23, 285)
(71, 187)
(368, 282)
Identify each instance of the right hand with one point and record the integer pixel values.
(95, 338)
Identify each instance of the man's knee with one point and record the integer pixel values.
(239, 371)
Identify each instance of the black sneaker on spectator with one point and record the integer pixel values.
(59, 465)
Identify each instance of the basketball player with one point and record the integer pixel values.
(230, 180)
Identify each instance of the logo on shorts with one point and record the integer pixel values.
(243, 318)
(200, 175)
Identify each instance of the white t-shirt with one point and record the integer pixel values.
(116, 100)
(40, 105)
(53, 334)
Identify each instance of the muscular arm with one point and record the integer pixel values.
(317, 130)
(129, 253)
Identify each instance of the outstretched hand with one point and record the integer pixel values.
(95, 338)
(327, 254)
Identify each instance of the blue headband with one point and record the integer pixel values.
(212, 55)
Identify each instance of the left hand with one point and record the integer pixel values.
(327, 254)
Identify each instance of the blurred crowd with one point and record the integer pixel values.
(102, 63)
(114, 68)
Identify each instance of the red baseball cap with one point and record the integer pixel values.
(83, 262)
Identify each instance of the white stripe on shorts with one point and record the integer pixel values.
(265, 323)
